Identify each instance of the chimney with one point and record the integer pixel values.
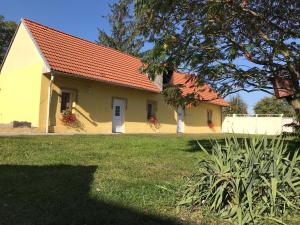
(167, 77)
(164, 79)
(158, 80)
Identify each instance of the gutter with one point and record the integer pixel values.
(49, 103)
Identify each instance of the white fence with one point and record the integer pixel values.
(256, 124)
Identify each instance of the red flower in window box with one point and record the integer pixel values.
(210, 124)
(152, 120)
(69, 119)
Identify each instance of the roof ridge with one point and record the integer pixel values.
(91, 42)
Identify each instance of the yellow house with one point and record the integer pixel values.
(60, 83)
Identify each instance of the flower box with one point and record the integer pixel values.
(69, 119)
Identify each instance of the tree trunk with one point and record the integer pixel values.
(296, 104)
(295, 75)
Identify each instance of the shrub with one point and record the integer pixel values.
(246, 181)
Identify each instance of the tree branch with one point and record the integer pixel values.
(262, 18)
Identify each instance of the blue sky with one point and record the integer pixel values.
(76, 17)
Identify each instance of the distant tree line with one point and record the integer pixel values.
(271, 105)
(237, 106)
(7, 30)
(267, 105)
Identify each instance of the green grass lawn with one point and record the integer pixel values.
(95, 179)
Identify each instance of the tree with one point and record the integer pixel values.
(233, 45)
(7, 30)
(237, 106)
(124, 35)
(271, 105)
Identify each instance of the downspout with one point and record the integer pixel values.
(49, 102)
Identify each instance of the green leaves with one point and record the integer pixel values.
(231, 45)
(7, 30)
(124, 34)
(271, 105)
(246, 180)
(237, 106)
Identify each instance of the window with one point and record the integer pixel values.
(151, 109)
(117, 110)
(209, 116)
(66, 101)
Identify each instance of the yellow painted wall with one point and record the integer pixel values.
(195, 119)
(94, 109)
(45, 82)
(20, 81)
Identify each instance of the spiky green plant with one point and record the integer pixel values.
(247, 181)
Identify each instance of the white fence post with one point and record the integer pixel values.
(256, 125)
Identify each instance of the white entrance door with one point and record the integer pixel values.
(180, 120)
(118, 116)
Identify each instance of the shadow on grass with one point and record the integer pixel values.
(59, 195)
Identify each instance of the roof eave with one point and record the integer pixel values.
(104, 81)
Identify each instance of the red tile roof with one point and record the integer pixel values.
(204, 93)
(75, 56)
(78, 57)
